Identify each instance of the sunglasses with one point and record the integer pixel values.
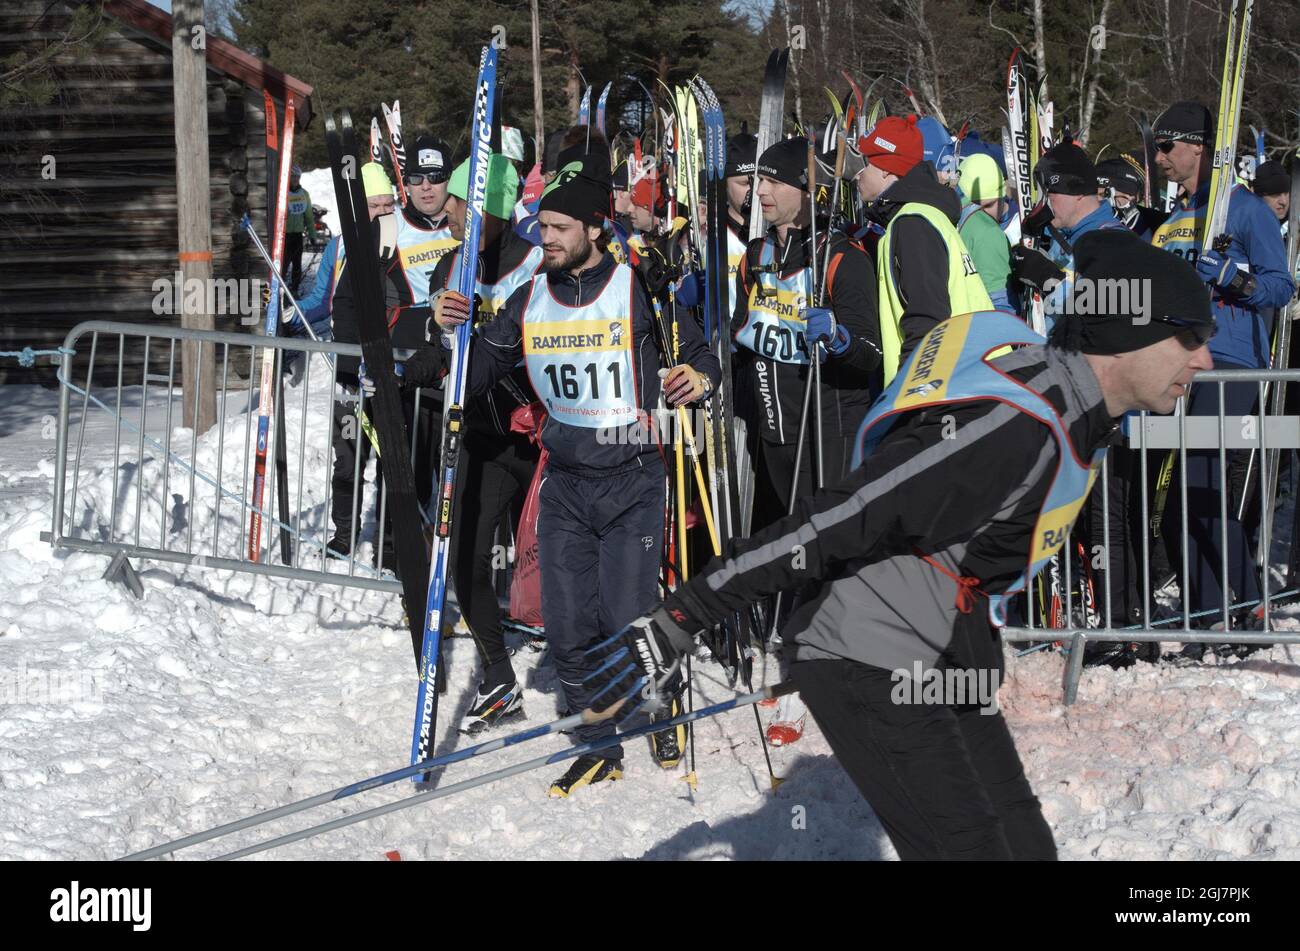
(1200, 331)
(1167, 146)
(420, 179)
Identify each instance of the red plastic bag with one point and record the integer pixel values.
(526, 585)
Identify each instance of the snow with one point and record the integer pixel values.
(124, 723)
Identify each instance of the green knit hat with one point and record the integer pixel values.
(981, 179)
(502, 186)
(375, 180)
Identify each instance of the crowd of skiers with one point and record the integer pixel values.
(588, 287)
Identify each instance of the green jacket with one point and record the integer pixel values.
(298, 217)
(989, 249)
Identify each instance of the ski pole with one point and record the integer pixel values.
(352, 789)
(363, 420)
(744, 700)
(815, 293)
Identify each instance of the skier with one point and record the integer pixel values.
(638, 198)
(1245, 279)
(423, 238)
(985, 190)
(1273, 184)
(497, 464)
(600, 531)
(906, 556)
(299, 221)
(423, 234)
(923, 269)
(781, 323)
(1068, 210)
(1120, 181)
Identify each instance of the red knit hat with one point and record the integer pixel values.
(893, 145)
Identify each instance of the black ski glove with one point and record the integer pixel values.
(1033, 267)
(635, 665)
(425, 367)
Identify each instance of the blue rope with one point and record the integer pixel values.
(27, 356)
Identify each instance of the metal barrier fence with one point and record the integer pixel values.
(179, 496)
(126, 511)
(1160, 442)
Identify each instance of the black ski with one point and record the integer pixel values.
(377, 351)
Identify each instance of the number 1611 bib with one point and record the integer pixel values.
(579, 359)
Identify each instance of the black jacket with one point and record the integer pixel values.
(919, 255)
(962, 483)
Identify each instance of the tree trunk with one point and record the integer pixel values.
(1040, 50)
(538, 123)
(1090, 100)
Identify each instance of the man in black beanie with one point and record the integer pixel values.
(1273, 184)
(585, 331)
(913, 565)
(1121, 182)
(1068, 210)
(780, 325)
(1246, 271)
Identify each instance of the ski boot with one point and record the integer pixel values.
(493, 707)
(667, 746)
(341, 543)
(791, 716)
(586, 771)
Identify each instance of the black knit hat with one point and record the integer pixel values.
(786, 162)
(742, 153)
(1119, 174)
(430, 156)
(581, 188)
(1065, 169)
(1128, 295)
(1184, 121)
(1271, 179)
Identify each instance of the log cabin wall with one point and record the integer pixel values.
(89, 240)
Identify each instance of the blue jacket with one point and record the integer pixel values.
(1101, 219)
(1244, 323)
(316, 305)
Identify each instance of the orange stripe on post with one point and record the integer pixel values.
(194, 256)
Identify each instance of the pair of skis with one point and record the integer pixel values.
(1022, 146)
(420, 585)
(267, 402)
(481, 142)
(364, 273)
(584, 109)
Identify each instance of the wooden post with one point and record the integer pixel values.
(193, 207)
(537, 81)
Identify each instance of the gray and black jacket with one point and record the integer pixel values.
(962, 483)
